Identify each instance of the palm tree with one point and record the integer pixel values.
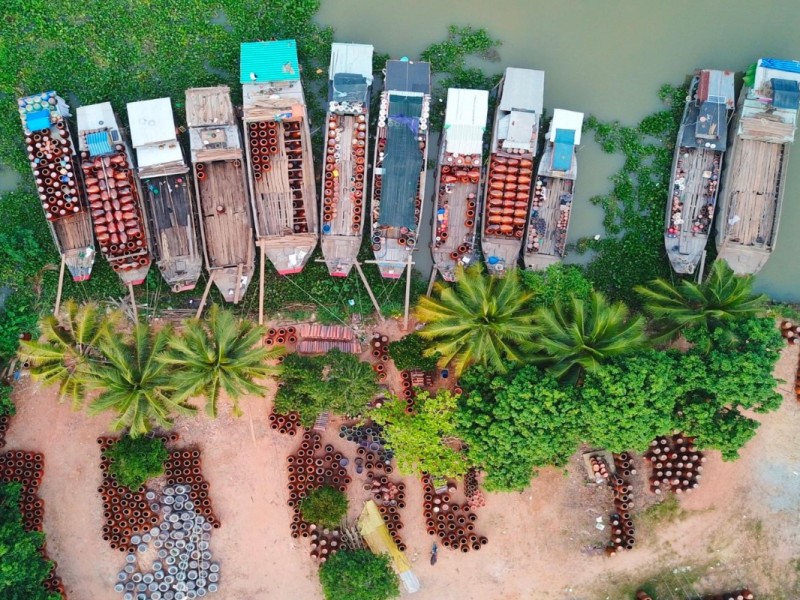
(480, 319)
(580, 335)
(134, 383)
(722, 298)
(66, 348)
(220, 354)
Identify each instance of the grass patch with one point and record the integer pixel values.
(667, 511)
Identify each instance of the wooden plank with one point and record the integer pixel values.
(369, 291)
(205, 295)
(133, 303)
(60, 284)
(238, 289)
(261, 284)
(408, 293)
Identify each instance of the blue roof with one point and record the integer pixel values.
(562, 149)
(790, 66)
(269, 61)
(37, 120)
(99, 143)
(785, 94)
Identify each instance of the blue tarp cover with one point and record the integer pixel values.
(37, 120)
(790, 66)
(562, 149)
(785, 94)
(98, 143)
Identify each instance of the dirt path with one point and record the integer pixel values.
(739, 527)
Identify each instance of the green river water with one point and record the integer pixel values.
(607, 58)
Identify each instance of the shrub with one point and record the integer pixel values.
(407, 353)
(358, 575)
(324, 506)
(23, 569)
(6, 404)
(136, 460)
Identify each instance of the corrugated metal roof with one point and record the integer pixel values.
(523, 89)
(717, 86)
(96, 116)
(465, 120)
(566, 119)
(351, 58)
(151, 122)
(518, 130)
(261, 62)
(408, 76)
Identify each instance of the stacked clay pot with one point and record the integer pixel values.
(390, 498)
(380, 351)
(620, 523)
(508, 196)
(642, 595)
(676, 464)
(743, 594)
(26, 468)
(409, 391)
(127, 512)
(334, 167)
(262, 136)
(281, 336)
(116, 210)
(372, 453)
(454, 524)
(293, 145)
(5, 421)
(288, 424)
(309, 468)
(790, 332)
(184, 468)
(475, 497)
(50, 153)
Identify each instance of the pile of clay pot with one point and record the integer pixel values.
(744, 594)
(288, 424)
(184, 467)
(676, 464)
(475, 497)
(379, 345)
(508, 196)
(790, 332)
(5, 421)
(262, 136)
(309, 468)
(182, 568)
(333, 162)
(453, 523)
(280, 336)
(372, 453)
(390, 498)
(26, 468)
(621, 524)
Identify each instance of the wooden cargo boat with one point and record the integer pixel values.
(113, 193)
(346, 143)
(400, 166)
(226, 229)
(551, 205)
(51, 153)
(515, 139)
(458, 175)
(694, 184)
(280, 164)
(754, 178)
(167, 192)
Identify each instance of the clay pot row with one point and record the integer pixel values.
(380, 346)
(51, 161)
(621, 527)
(676, 464)
(743, 594)
(324, 542)
(391, 516)
(372, 445)
(287, 424)
(453, 523)
(280, 336)
(790, 332)
(184, 467)
(508, 196)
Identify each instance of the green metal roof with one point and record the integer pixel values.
(269, 61)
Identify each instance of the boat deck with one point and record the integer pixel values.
(455, 213)
(73, 237)
(695, 182)
(226, 225)
(169, 203)
(549, 222)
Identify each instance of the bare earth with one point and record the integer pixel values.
(740, 526)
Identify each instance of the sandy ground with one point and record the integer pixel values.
(739, 527)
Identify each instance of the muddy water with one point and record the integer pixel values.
(608, 59)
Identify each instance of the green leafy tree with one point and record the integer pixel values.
(136, 460)
(358, 575)
(66, 348)
(579, 336)
(219, 354)
(517, 423)
(723, 298)
(559, 283)
(426, 439)
(628, 402)
(23, 570)
(479, 319)
(409, 353)
(324, 506)
(134, 383)
(336, 382)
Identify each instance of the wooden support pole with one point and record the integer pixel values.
(60, 285)
(238, 289)
(702, 268)
(369, 291)
(434, 272)
(408, 293)
(133, 303)
(261, 284)
(205, 295)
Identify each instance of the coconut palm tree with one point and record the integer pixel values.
(579, 336)
(722, 298)
(479, 319)
(219, 354)
(66, 347)
(134, 383)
